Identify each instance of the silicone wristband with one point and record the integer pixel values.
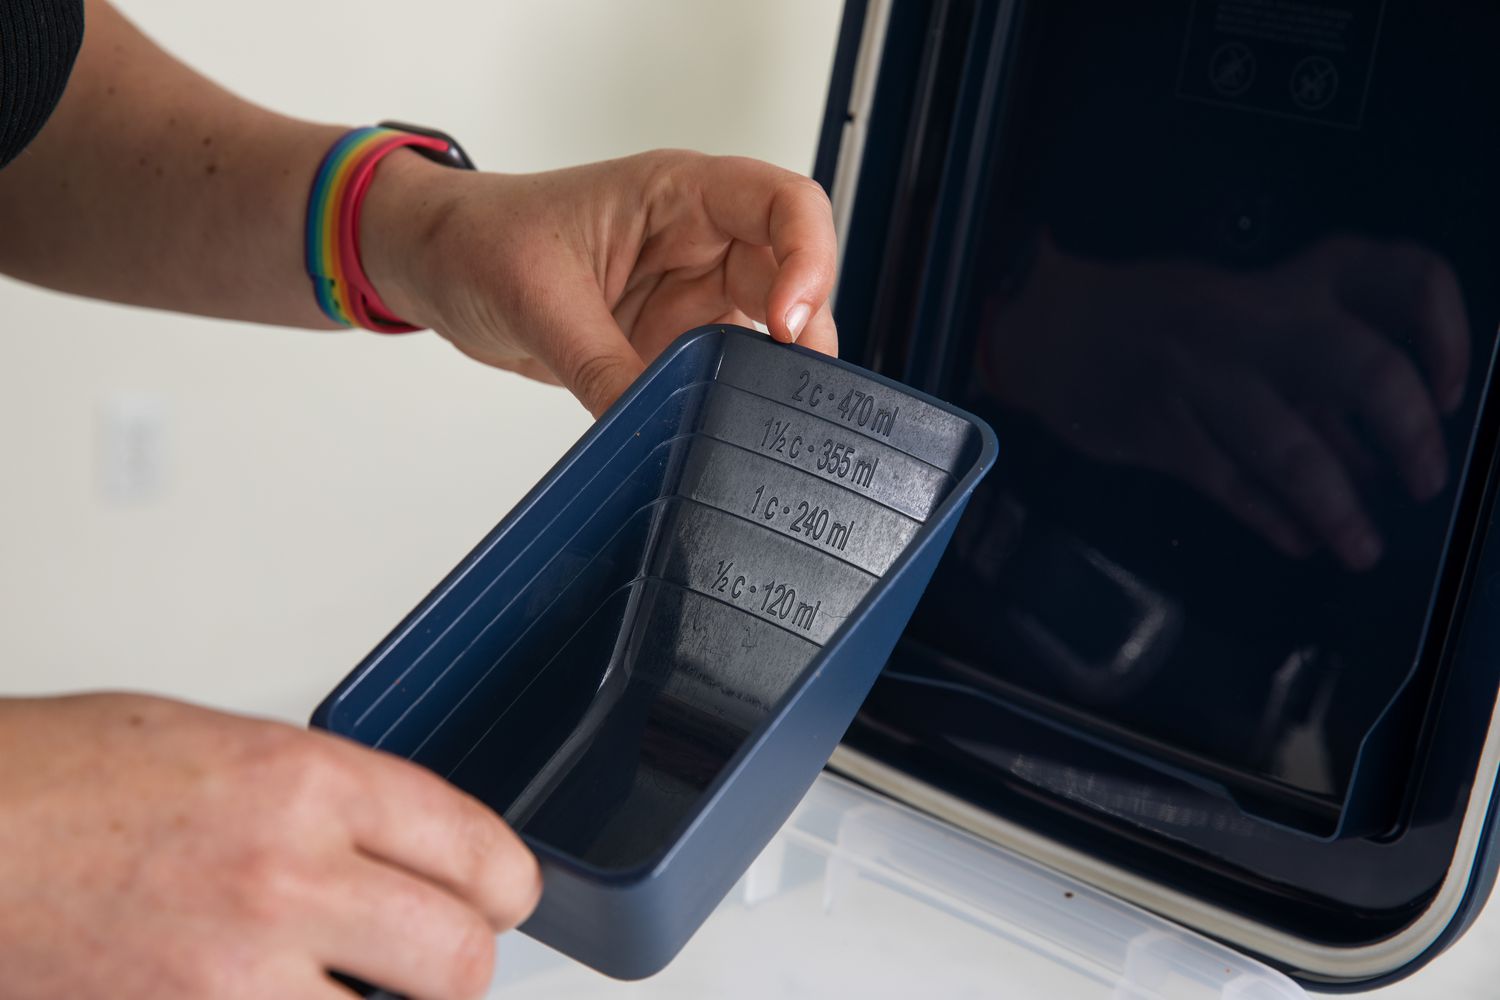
(340, 285)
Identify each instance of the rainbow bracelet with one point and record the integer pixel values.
(340, 284)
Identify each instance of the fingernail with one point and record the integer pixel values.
(796, 318)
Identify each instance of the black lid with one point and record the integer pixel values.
(1222, 275)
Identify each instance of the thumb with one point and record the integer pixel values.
(579, 340)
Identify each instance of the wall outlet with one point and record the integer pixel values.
(132, 448)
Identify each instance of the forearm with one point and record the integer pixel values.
(151, 185)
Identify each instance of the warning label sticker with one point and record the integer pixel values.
(1308, 59)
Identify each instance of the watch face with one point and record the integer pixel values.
(454, 156)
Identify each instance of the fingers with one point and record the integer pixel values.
(322, 985)
(821, 335)
(576, 337)
(319, 986)
(760, 204)
(750, 270)
(1411, 294)
(1272, 441)
(749, 273)
(1192, 456)
(407, 936)
(409, 817)
(571, 337)
(1331, 422)
(1379, 383)
(286, 975)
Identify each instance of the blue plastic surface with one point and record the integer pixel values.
(646, 664)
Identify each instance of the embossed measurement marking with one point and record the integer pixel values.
(855, 406)
(826, 449)
(770, 576)
(774, 599)
(835, 459)
(810, 520)
(776, 494)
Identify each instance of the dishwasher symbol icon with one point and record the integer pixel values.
(1231, 69)
(1315, 82)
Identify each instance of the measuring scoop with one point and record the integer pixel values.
(648, 661)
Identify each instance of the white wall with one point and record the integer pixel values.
(314, 486)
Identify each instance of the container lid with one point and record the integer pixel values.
(1223, 630)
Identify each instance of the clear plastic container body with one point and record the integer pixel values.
(859, 896)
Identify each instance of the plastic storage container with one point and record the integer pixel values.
(1074, 232)
(647, 663)
(858, 896)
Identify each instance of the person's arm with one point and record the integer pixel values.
(159, 851)
(153, 186)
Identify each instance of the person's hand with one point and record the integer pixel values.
(581, 276)
(150, 850)
(1273, 392)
